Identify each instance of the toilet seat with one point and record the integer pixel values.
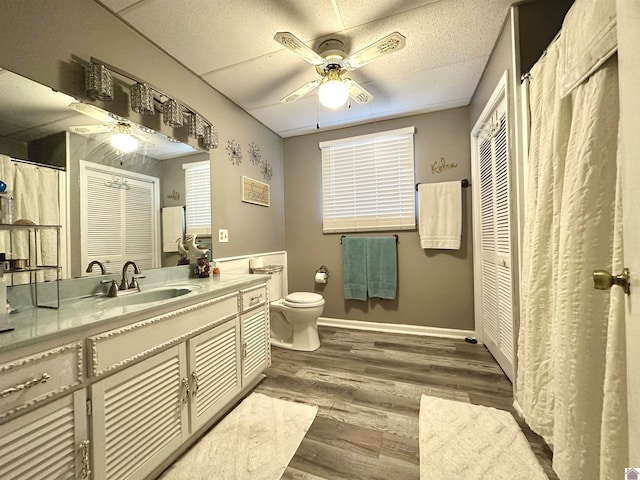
(303, 300)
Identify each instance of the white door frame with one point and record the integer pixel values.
(628, 17)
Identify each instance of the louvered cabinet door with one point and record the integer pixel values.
(47, 443)
(140, 416)
(214, 368)
(255, 343)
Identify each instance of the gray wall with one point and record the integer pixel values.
(435, 287)
(50, 41)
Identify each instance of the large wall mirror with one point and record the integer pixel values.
(61, 167)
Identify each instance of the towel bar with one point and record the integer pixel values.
(395, 235)
(465, 183)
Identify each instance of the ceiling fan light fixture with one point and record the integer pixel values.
(123, 142)
(333, 93)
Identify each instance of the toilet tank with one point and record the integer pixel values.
(275, 283)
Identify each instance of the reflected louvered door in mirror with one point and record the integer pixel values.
(214, 371)
(140, 416)
(492, 242)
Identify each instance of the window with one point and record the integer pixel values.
(368, 182)
(197, 179)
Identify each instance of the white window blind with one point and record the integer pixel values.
(368, 182)
(197, 180)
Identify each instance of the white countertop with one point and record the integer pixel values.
(33, 325)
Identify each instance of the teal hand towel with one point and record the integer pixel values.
(354, 268)
(382, 267)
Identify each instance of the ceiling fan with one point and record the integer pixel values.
(123, 135)
(332, 63)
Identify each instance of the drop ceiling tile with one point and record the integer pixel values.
(360, 12)
(207, 35)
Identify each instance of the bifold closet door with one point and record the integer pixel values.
(494, 276)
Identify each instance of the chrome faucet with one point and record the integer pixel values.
(136, 274)
(96, 262)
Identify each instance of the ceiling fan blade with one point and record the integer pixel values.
(91, 129)
(357, 92)
(389, 44)
(91, 111)
(298, 47)
(302, 91)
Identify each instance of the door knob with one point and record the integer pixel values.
(603, 280)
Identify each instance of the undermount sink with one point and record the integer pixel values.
(148, 296)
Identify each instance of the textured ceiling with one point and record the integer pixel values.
(230, 45)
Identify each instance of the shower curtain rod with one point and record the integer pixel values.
(37, 164)
(465, 183)
(395, 235)
(526, 75)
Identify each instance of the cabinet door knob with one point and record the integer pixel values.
(603, 280)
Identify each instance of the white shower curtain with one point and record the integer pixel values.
(571, 366)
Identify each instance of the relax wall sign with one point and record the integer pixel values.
(255, 192)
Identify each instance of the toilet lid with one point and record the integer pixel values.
(303, 300)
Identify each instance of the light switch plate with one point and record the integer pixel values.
(223, 235)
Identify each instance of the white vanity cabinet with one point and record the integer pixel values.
(139, 416)
(214, 371)
(46, 443)
(50, 440)
(256, 347)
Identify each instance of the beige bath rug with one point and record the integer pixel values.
(461, 440)
(255, 441)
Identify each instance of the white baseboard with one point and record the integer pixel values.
(395, 328)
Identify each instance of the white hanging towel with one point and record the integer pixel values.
(172, 227)
(440, 215)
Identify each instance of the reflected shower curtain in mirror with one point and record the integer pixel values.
(35, 191)
(570, 384)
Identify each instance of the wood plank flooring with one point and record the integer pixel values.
(367, 386)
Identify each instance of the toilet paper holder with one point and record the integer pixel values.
(323, 269)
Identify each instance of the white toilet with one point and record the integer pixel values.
(294, 319)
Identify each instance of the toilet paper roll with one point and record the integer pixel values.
(321, 277)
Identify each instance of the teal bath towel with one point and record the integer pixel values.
(354, 268)
(382, 267)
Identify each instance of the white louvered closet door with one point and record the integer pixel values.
(214, 370)
(140, 416)
(494, 280)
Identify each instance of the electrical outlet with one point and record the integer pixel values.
(223, 235)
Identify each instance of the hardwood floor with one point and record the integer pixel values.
(367, 386)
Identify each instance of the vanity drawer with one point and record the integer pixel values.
(32, 379)
(252, 297)
(116, 348)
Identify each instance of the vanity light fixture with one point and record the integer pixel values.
(122, 140)
(145, 98)
(98, 82)
(195, 124)
(210, 138)
(172, 113)
(142, 99)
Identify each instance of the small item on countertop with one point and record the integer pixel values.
(203, 267)
(216, 270)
